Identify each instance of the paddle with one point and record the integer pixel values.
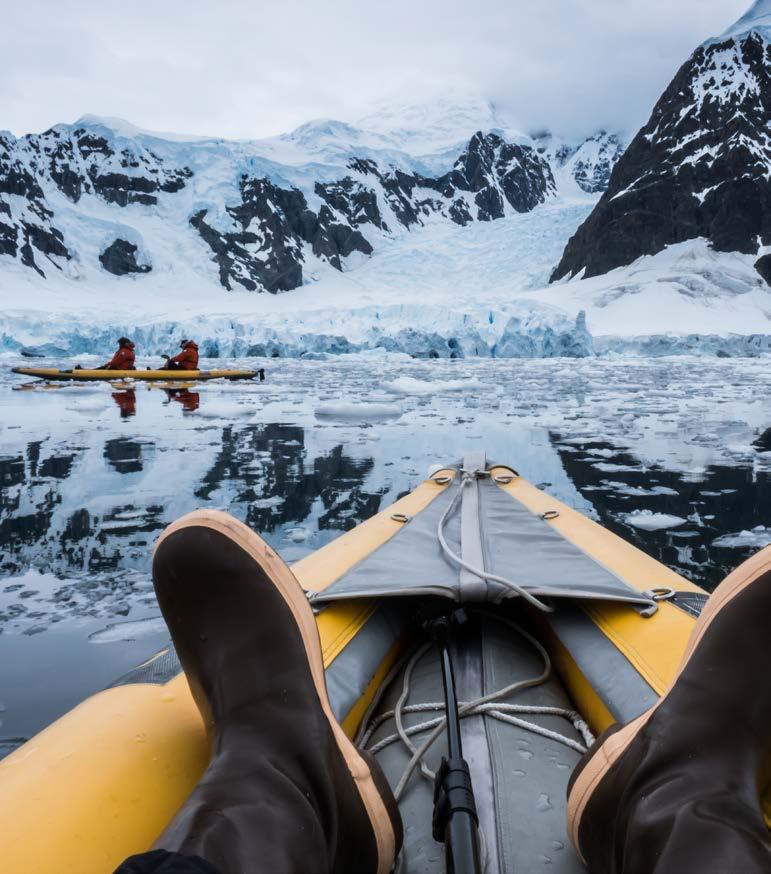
(455, 821)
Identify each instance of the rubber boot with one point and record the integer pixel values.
(677, 790)
(286, 790)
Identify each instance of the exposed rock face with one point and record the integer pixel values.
(262, 246)
(699, 168)
(26, 230)
(589, 163)
(763, 266)
(276, 226)
(120, 258)
(74, 163)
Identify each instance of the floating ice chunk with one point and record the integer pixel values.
(607, 467)
(267, 503)
(358, 412)
(634, 491)
(408, 385)
(298, 535)
(223, 410)
(757, 538)
(650, 521)
(126, 631)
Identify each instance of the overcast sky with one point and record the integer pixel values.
(250, 68)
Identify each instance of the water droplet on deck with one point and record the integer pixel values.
(557, 845)
(518, 773)
(544, 803)
(525, 754)
(544, 860)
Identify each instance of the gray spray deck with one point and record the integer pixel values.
(489, 530)
(519, 778)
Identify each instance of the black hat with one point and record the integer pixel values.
(124, 341)
(184, 343)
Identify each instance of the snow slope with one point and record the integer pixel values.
(432, 286)
(757, 19)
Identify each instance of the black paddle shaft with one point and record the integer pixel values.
(455, 821)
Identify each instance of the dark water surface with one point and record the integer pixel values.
(673, 455)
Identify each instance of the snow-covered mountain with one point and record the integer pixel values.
(701, 166)
(430, 229)
(101, 196)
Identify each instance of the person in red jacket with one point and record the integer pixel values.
(187, 358)
(123, 359)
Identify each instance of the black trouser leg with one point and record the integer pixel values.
(164, 862)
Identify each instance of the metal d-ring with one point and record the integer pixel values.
(660, 593)
(401, 517)
(504, 478)
(549, 515)
(445, 478)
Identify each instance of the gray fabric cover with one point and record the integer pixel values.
(520, 779)
(511, 541)
(613, 677)
(353, 669)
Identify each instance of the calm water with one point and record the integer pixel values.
(90, 475)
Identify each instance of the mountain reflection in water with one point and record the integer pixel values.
(90, 475)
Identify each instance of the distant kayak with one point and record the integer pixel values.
(52, 373)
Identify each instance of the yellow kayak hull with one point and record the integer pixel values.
(103, 781)
(52, 373)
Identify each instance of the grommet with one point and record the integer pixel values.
(549, 515)
(401, 517)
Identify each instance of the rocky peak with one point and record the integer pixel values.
(268, 214)
(273, 231)
(701, 166)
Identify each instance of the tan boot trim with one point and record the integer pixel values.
(297, 601)
(605, 755)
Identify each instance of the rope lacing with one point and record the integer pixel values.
(467, 478)
(488, 705)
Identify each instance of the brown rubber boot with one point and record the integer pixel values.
(677, 790)
(286, 790)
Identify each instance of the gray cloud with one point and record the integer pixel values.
(240, 68)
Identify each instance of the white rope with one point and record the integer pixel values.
(401, 733)
(487, 705)
(490, 705)
(467, 478)
(502, 712)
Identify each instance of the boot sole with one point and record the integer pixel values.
(615, 745)
(295, 598)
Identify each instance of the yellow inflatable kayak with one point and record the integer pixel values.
(103, 781)
(83, 375)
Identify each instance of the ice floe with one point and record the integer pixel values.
(757, 538)
(650, 521)
(360, 412)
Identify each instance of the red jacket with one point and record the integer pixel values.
(187, 358)
(122, 360)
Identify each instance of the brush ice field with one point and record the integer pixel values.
(673, 454)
